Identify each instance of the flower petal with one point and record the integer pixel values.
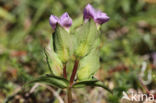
(65, 20)
(89, 12)
(53, 20)
(98, 16)
(101, 17)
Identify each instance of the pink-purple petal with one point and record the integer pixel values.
(91, 13)
(65, 20)
(101, 17)
(53, 20)
(88, 12)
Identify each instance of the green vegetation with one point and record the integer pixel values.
(128, 41)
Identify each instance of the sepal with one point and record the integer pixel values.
(86, 36)
(62, 43)
(54, 63)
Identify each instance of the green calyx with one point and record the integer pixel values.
(86, 36)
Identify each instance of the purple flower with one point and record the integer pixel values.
(64, 21)
(53, 20)
(98, 16)
(101, 17)
(88, 12)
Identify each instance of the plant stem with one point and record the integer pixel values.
(74, 72)
(69, 90)
(64, 72)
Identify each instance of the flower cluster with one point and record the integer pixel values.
(80, 49)
(89, 13)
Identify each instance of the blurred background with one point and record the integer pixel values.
(128, 48)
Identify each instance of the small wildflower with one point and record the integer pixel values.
(65, 21)
(98, 16)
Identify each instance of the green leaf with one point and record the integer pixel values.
(100, 84)
(6, 15)
(54, 63)
(62, 43)
(88, 65)
(94, 83)
(55, 81)
(82, 84)
(86, 36)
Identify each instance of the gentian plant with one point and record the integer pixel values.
(78, 49)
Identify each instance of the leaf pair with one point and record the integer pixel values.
(62, 83)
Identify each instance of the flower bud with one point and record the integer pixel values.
(101, 17)
(88, 12)
(98, 16)
(53, 20)
(64, 21)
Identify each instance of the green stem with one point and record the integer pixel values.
(69, 90)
